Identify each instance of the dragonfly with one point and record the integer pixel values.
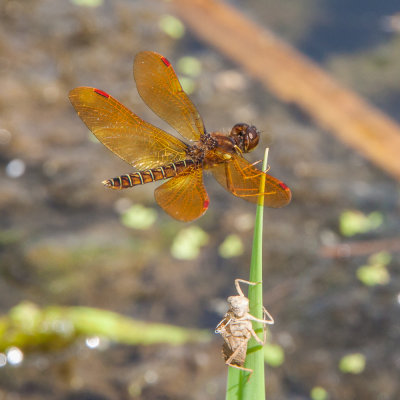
(157, 155)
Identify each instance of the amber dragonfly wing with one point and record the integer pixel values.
(139, 143)
(160, 89)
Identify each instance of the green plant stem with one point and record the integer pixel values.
(239, 387)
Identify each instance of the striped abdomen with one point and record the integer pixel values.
(148, 175)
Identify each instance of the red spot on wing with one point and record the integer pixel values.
(101, 93)
(165, 61)
(206, 203)
(283, 186)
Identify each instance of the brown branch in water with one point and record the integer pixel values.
(361, 248)
(292, 77)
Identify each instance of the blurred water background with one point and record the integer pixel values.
(67, 242)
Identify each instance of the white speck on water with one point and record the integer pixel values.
(93, 342)
(15, 168)
(14, 356)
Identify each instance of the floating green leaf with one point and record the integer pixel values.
(354, 222)
(139, 217)
(232, 246)
(187, 243)
(382, 258)
(352, 363)
(172, 26)
(189, 66)
(371, 275)
(188, 84)
(375, 272)
(319, 393)
(274, 355)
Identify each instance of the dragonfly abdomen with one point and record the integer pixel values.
(149, 175)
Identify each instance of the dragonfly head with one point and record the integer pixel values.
(246, 137)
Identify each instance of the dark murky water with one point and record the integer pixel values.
(61, 237)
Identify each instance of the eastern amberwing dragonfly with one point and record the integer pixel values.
(158, 155)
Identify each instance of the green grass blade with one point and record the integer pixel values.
(31, 328)
(238, 386)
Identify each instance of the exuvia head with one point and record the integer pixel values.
(246, 137)
(239, 305)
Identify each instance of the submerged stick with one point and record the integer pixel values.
(292, 77)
